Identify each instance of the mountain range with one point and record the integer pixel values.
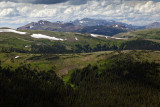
(108, 30)
(98, 22)
(153, 25)
(87, 25)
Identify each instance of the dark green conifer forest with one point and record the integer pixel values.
(115, 82)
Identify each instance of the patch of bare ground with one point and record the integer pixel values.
(65, 70)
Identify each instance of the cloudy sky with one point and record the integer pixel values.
(15, 13)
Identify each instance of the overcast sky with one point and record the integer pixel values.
(15, 13)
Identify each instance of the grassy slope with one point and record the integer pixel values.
(20, 41)
(61, 63)
(147, 34)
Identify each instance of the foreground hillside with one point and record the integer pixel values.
(118, 81)
(123, 78)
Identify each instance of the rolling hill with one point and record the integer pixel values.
(145, 34)
(34, 41)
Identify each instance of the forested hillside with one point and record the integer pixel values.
(123, 79)
(120, 81)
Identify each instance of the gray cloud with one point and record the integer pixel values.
(37, 1)
(74, 2)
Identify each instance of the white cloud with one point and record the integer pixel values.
(139, 13)
(9, 12)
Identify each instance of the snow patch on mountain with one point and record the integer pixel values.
(116, 25)
(38, 36)
(16, 57)
(13, 31)
(26, 46)
(31, 27)
(96, 35)
(83, 21)
(41, 23)
(76, 38)
(33, 35)
(118, 38)
(107, 37)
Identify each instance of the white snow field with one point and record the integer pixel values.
(13, 31)
(76, 38)
(119, 38)
(17, 57)
(38, 36)
(41, 36)
(96, 35)
(107, 37)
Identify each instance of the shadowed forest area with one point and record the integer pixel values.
(120, 80)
